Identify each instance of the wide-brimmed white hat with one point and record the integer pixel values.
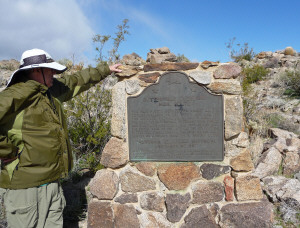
(35, 58)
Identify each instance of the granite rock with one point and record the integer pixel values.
(153, 220)
(261, 55)
(105, 184)
(271, 63)
(152, 201)
(248, 188)
(272, 185)
(133, 60)
(286, 193)
(132, 86)
(232, 150)
(247, 215)
(242, 140)
(283, 189)
(206, 64)
(127, 71)
(114, 154)
(147, 168)
(178, 176)
(256, 148)
(149, 77)
(229, 188)
(199, 217)
(118, 121)
(227, 71)
(160, 55)
(132, 181)
(297, 176)
(291, 163)
(280, 145)
(103, 210)
(176, 206)
(233, 116)
(125, 216)
(211, 171)
(170, 66)
(269, 163)
(202, 77)
(207, 192)
(226, 86)
(127, 198)
(163, 50)
(242, 162)
(279, 133)
(289, 214)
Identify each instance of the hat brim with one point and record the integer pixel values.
(53, 65)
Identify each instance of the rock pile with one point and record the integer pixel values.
(160, 55)
(282, 158)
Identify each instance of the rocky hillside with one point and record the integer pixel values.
(272, 113)
(7, 67)
(270, 99)
(272, 118)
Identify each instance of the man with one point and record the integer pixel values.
(34, 145)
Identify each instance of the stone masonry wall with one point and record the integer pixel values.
(178, 194)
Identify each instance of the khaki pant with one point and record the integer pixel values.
(36, 207)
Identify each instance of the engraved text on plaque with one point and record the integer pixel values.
(175, 120)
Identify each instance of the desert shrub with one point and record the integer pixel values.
(182, 59)
(88, 116)
(291, 83)
(101, 40)
(252, 75)
(239, 52)
(9, 67)
(276, 120)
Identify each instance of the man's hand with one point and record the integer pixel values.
(114, 68)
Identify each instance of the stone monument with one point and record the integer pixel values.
(168, 111)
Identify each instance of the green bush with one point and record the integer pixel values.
(88, 118)
(252, 75)
(291, 83)
(182, 59)
(243, 53)
(275, 120)
(9, 66)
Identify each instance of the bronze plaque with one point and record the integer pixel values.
(175, 120)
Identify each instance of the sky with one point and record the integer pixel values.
(196, 28)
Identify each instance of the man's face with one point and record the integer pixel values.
(36, 74)
(48, 73)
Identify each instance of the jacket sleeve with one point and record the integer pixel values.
(69, 86)
(16, 98)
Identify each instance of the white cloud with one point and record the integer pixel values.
(154, 24)
(58, 27)
(151, 21)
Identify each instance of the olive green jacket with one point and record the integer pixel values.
(34, 143)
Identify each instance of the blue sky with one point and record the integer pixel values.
(198, 29)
